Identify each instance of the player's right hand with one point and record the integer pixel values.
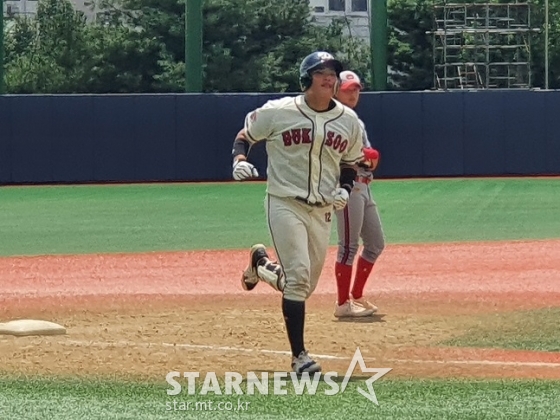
(341, 197)
(243, 170)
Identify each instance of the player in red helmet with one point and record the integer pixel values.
(359, 219)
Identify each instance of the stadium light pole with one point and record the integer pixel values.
(378, 43)
(546, 44)
(2, 47)
(193, 45)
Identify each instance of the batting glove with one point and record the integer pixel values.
(340, 198)
(243, 170)
(371, 157)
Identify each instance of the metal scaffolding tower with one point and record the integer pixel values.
(482, 45)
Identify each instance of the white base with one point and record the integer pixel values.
(24, 327)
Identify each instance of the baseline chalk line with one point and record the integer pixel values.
(122, 343)
(479, 362)
(190, 346)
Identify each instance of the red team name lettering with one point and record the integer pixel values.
(296, 136)
(335, 141)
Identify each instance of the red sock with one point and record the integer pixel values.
(362, 273)
(343, 279)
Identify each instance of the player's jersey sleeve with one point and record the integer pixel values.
(354, 152)
(365, 139)
(260, 122)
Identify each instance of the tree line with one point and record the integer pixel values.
(137, 46)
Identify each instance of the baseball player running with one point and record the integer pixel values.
(360, 218)
(313, 144)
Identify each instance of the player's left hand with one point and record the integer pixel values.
(340, 198)
(370, 153)
(371, 158)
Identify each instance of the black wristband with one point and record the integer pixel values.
(347, 177)
(240, 147)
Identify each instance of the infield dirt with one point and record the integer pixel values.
(143, 315)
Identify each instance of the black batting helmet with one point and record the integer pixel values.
(314, 61)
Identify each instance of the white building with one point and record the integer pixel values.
(29, 8)
(356, 11)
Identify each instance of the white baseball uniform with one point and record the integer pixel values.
(305, 150)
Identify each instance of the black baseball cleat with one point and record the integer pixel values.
(250, 276)
(303, 363)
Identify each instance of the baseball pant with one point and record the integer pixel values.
(360, 218)
(300, 234)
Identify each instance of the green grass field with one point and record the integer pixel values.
(521, 330)
(76, 399)
(134, 218)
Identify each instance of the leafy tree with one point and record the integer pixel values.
(47, 54)
(248, 45)
(19, 38)
(538, 43)
(409, 47)
(122, 61)
(137, 46)
(280, 65)
(58, 52)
